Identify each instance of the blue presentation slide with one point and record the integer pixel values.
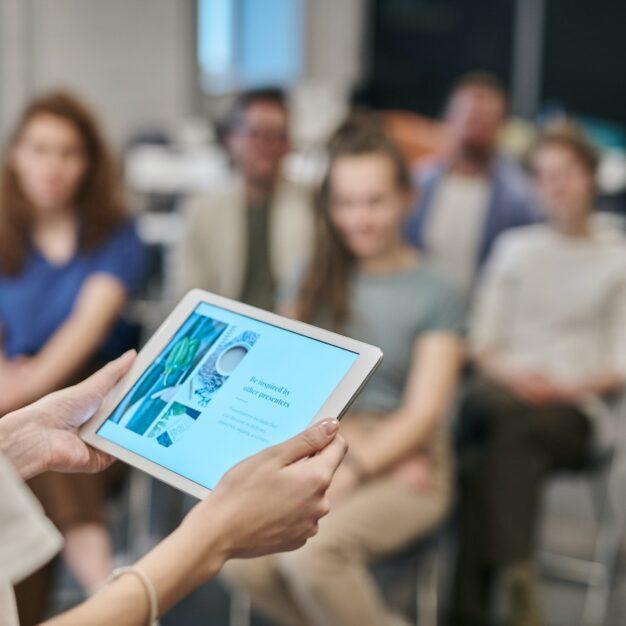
(225, 387)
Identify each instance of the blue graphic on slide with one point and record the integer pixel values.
(225, 387)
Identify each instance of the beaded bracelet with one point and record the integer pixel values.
(148, 586)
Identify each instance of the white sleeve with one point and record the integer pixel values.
(28, 539)
(8, 608)
(618, 327)
(492, 300)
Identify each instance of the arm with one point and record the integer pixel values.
(98, 305)
(491, 323)
(604, 383)
(176, 567)
(270, 502)
(431, 383)
(614, 377)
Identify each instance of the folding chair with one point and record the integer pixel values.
(608, 491)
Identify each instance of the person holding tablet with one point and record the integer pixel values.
(69, 260)
(268, 503)
(395, 486)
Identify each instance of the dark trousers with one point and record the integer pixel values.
(513, 448)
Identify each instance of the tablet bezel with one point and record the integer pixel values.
(368, 359)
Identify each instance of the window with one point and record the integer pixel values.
(247, 43)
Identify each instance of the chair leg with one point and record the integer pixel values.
(607, 548)
(427, 592)
(139, 506)
(240, 609)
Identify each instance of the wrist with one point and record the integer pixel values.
(212, 526)
(24, 443)
(187, 558)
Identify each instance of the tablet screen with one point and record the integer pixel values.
(223, 388)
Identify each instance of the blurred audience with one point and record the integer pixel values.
(549, 341)
(251, 235)
(69, 260)
(381, 260)
(475, 193)
(395, 485)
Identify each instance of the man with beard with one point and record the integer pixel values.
(474, 193)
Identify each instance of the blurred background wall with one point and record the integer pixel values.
(137, 60)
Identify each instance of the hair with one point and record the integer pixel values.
(246, 99)
(326, 285)
(566, 134)
(99, 198)
(480, 80)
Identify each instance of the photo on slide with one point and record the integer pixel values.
(171, 426)
(220, 364)
(159, 383)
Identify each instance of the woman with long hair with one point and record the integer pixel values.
(69, 260)
(395, 486)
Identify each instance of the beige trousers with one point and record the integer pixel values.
(327, 582)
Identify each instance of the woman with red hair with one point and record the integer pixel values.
(69, 260)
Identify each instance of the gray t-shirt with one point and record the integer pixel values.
(393, 311)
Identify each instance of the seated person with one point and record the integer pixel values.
(69, 259)
(476, 193)
(549, 340)
(395, 486)
(250, 236)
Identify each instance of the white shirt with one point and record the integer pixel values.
(454, 229)
(555, 303)
(28, 538)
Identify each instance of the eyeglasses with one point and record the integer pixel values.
(261, 134)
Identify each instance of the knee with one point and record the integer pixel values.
(490, 406)
(313, 567)
(253, 575)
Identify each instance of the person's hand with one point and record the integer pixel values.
(536, 388)
(415, 472)
(272, 502)
(44, 435)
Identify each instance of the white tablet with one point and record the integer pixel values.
(218, 382)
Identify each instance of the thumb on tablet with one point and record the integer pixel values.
(108, 376)
(312, 440)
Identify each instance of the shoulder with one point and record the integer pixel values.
(511, 171)
(515, 182)
(122, 255)
(123, 236)
(521, 241)
(615, 247)
(428, 175)
(201, 206)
